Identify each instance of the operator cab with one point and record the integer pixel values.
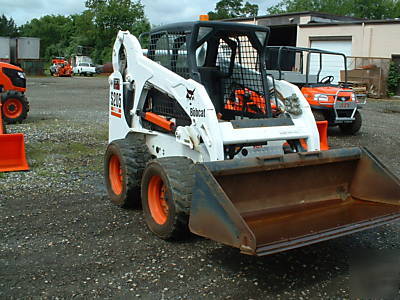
(228, 59)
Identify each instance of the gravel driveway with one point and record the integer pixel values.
(61, 237)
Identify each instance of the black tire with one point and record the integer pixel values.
(14, 113)
(352, 128)
(132, 154)
(177, 175)
(318, 115)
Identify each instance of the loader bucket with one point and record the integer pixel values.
(271, 204)
(12, 153)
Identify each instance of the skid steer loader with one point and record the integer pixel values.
(209, 144)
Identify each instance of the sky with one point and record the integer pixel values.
(158, 11)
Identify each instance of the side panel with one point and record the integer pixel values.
(117, 126)
(144, 74)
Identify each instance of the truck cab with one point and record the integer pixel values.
(85, 68)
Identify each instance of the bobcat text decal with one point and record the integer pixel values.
(199, 113)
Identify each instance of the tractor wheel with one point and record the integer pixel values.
(166, 195)
(318, 115)
(352, 128)
(124, 163)
(15, 107)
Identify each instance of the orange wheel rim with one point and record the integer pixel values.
(115, 174)
(12, 108)
(156, 195)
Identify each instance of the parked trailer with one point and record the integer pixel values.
(4, 49)
(28, 48)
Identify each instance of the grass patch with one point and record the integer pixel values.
(40, 153)
(78, 148)
(73, 152)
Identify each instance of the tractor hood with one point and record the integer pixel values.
(10, 66)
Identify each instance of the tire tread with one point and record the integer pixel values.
(180, 174)
(135, 155)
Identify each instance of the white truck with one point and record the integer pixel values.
(84, 68)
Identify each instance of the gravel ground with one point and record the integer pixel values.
(62, 238)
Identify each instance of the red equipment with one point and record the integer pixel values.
(251, 102)
(13, 86)
(61, 67)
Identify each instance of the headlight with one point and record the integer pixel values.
(321, 97)
(353, 97)
(21, 75)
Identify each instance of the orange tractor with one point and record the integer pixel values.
(330, 100)
(60, 67)
(15, 106)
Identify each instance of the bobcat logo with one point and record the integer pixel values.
(190, 94)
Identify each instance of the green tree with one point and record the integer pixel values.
(8, 27)
(227, 9)
(369, 9)
(54, 32)
(95, 28)
(393, 81)
(250, 10)
(109, 16)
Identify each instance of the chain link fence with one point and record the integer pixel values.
(33, 67)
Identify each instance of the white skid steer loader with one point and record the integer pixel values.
(208, 143)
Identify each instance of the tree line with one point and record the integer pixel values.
(96, 27)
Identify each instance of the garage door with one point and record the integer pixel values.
(331, 64)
